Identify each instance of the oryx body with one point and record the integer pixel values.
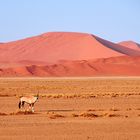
(28, 100)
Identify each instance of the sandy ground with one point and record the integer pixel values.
(71, 109)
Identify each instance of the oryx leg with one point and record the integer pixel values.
(29, 107)
(22, 105)
(32, 107)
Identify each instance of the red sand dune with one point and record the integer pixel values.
(131, 45)
(115, 66)
(68, 54)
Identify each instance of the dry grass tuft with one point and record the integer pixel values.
(5, 95)
(114, 95)
(113, 115)
(93, 115)
(53, 115)
(95, 110)
(128, 109)
(2, 114)
(114, 109)
(89, 115)
(75, 115)
(91, 110)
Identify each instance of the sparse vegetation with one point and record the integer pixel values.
(113, 115)
(21, 113)
(93, 115)
(114, 109)
(3, 114)
(75, 115)
(89, 115)
(71, 88)
(53, 115)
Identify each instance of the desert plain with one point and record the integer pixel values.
(71, 108)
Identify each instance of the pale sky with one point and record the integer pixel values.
(114, 20)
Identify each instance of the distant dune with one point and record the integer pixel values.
(68, 54)
(131, 45)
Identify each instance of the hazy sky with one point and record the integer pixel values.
(114, 20)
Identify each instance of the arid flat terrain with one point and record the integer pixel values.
(71, 109)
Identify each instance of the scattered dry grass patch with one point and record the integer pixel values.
(68, 88)
(53, 115)
(22, 113)
(128, 109)
(114, 95)
(113, 115)
(5, 95)
(93, 115)
(75, 115)
(95, 110)
(89, 115)
(2, 114)
(114, 109)
(92, 110)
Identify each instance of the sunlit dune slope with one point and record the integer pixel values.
(54, 46)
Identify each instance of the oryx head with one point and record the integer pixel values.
(37, 95)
